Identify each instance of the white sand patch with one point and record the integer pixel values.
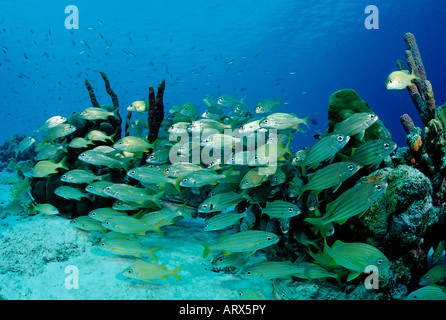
(39, 253)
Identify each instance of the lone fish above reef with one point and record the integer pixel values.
(399, 80)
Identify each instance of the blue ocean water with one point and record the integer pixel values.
(301, 50)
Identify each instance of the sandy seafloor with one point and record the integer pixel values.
(37, 254)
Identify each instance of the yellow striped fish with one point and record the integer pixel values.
(434, 275)
(249, 294)
(102, 214)
(133, 144)
(350, 203)
(181, 169)
(223, 220)
(355, 124)
(156, 219)
(88, 224)
(146, 271)
(127, 193)
(373, 152)
(324, 149)
(204, 124)
(98, 158)
(281, 209)
(71, 193)
(355, 256)
(282, 120)
(241, 242)
(222, 201)
(312, 271)
(158, 156)
(428, 293)
(281, 290)
(153, 176)
(126, 224)
(98, 187)
(202, 178)
(235, 259)
(59, 131)
(272, 270)
(330, 176)
(252, 179)
(80, 176)
(127, 247)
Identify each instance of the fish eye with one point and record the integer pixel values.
(107, 188)
(246, 182)
(184, 180)
(269, 238)
(340, 138)
(204, 205)
(248, 272)
(372, 116)
(290, 209)
(220, 260)
(256, 157)
(130, 271)
(102, 244)
(350, 167)
(427, 277)
(379, 261)
(378, 187)
(386, 145)
(390, 81)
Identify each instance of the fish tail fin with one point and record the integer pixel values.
(175, 272)
(176, 184)
(246, 196)
(278, 101)
(151, 253)
(206, 250)
(228, 173)
(157, 228)
(287, 147)
(116, 113)
(316, 222)
(305, 120)
(412, 73)
(157, 198)
(105, 177)
(90, 196)
(63, 163)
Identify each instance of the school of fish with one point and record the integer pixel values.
(235, 169)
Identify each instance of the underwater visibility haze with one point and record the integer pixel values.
(223, 150)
